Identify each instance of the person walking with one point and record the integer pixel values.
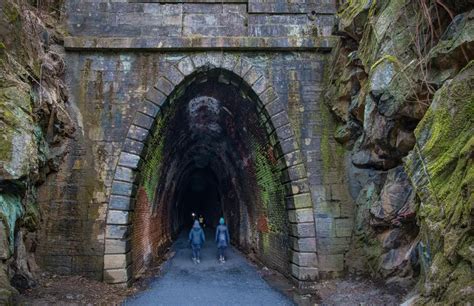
(201, 221)
(222, 239)
(196, 238)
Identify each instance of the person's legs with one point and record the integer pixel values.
(194, 247)
(198, 253)
(223, 254)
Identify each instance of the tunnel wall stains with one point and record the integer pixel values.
(150, 235)
(272, 220)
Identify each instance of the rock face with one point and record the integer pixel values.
(442, 173)
(34, 122)
(401, 88)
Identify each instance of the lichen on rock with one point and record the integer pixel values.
(441, 170)
(34, 122)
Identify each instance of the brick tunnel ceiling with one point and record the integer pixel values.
(217, 160)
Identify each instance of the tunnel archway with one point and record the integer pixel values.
(214, 148)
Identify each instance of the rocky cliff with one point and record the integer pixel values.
(34, 123)
(401, 87)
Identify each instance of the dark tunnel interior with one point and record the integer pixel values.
(198, 195)
(212, 153)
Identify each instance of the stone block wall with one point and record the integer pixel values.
(120, 52)
(198, 18)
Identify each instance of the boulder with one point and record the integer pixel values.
(396, 202)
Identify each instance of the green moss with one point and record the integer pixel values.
(264, 170)
(326, 134)
(15, 115)
(270, 189)
(447, 150)
(11, 12)
(150, 174)
(444, 156)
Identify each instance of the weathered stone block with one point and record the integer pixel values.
(327, 209)
(125, 174)
(294, 173)
(252, 76)
(129, 160)
(299, 201)
(120, 202)
(302, 230)
(200, 61)
(285, 132)
(133, 146)
(228, 62)
(332, 245)
(333, 262)
(344, 227)
(117, 231)
(300, 215)
(115, 276)
(117, 261)
(122, 217)
(149, 108)
(137, 133)
(156, 96)
(123, 188)
(164, 85)
(304, 273)
(117, 246)
(174, 75)
(280, 119)
(260, 86)
(275, 107)
(346, 208)
(186, 66)
(289, 145)
(320, 194)
(293, 158)
(143, 120)
(325, 227)
(303, 244)
(296, 187)
(242, 67)
(304, 259)
(268, 95)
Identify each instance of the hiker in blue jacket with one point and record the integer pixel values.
(196, 238)
(222, 239)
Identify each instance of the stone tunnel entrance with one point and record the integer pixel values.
(214, 152)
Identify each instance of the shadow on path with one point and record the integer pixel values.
(235, 282)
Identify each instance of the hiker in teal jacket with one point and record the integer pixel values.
(222, 239)
(196, 238)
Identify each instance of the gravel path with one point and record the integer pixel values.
(235, 282)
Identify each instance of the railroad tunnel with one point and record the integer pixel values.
(212, 152)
